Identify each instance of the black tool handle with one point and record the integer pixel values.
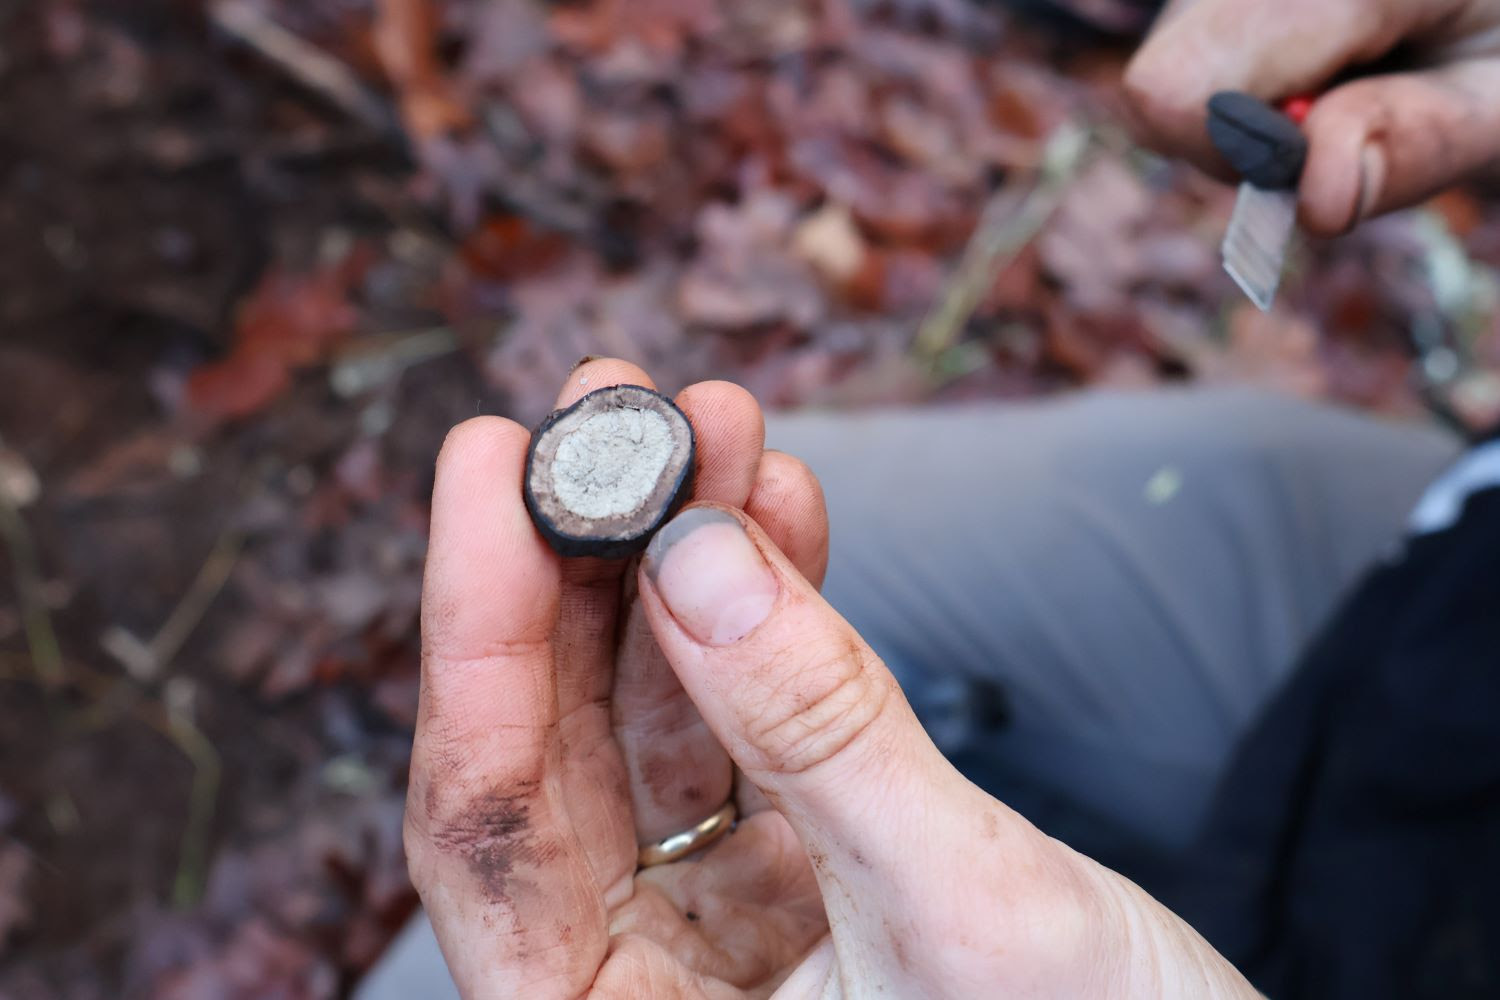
(1263, 145)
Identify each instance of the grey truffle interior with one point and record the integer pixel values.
(610, 467)
(607, 463)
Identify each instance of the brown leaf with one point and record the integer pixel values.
(829, 241)
(662, 26)
(1091, 244)
(746, 273)
(504, 246)
(142, 458)
(289, 321)
(505, 40)
(901, 206)
(629, 144)
(406, 41)
(256, 962)
(241, 384)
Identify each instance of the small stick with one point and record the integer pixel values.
(1004, 230)
(41, 637)
(147, 661)
(304, 62)
(212, 576)
(175, 724)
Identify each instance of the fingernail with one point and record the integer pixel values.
(711, 576)
(1371, 180)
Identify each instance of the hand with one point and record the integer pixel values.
(573, 709)
(1376, 143)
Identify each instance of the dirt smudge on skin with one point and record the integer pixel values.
(494, 834)
(658, 775)
(898, 947)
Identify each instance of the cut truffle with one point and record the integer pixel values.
(605, 473)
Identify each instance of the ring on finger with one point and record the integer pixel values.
(695, 838)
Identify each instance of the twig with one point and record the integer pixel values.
(41, 637)
(372, 361)
(175, 724)
(319, 72)
(192, 855)
(1004, 229)
(147, 661)
(212, 576)
(304, 62)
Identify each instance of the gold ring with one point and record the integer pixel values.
(695, 839)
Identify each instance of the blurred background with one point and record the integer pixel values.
(257, 256)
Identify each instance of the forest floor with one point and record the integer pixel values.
(257, 257)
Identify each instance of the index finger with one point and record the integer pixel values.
(502, 873)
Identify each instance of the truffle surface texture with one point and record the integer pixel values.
(609, 470)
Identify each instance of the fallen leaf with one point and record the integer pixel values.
(1091, 244)
(663, 26)
(288, 322)
(831, 242)
(746, 273)
(405, 38)
(143, 458)
(630, 144)
(504, 246)
(899, 205)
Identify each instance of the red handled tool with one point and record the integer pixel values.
(1267, 149)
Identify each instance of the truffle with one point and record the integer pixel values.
(604, 474)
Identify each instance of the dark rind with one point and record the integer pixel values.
(1264, 146)
(573, 546)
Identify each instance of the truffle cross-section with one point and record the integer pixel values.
(605, 473)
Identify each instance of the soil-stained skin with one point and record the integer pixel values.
(494, 834)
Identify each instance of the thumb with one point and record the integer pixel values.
(1385, 142)
(801, 703)
(930, 886)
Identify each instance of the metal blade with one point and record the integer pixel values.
(1254, 247)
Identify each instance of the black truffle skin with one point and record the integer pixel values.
(1264, 146)
(610, 540)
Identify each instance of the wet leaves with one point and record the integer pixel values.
(774, 192)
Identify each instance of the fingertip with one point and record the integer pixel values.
(1160, 110)
(787, 502)
(1167, 85)
(731, 432)
(473, 454)
(599, 373)
(1333, 189)
(478, 435)
(484, 549)
(1386, 142)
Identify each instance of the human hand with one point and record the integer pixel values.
(571, 709)
(1377, 142)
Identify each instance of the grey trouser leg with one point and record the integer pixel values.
(1127, 577)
